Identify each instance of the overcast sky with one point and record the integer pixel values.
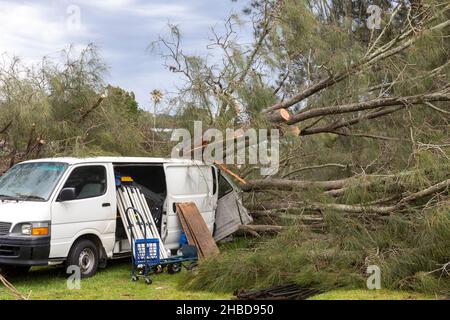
(122, 29)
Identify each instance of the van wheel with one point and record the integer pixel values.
(14, 271)
(84, 254)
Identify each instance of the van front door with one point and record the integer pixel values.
(92, 211)
(230, 212)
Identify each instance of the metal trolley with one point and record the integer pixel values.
(145, 258)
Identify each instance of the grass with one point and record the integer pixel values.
(410, 252)
(360, 294)
(112, 283)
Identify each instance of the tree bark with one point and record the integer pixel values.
(290, 185)
(367, 105)
(357, 208)
(331, 128)
(261, 228)
(279, 214)
(95, 106)
(277, 116)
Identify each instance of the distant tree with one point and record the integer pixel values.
(63, 107)
(121, 97)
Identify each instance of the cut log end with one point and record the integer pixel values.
(294, 130)
(281, 115)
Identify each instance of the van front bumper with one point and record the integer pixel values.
(24, 251)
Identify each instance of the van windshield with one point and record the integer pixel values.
(31, 181)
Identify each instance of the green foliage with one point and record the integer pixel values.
(62, 107)
(407, 251)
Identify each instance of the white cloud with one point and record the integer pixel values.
(33, 30)
(107, 5)
(121, 28)
(161, 9)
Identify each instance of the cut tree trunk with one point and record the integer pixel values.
(328, 186)
(294, 130)
(251, 228)
(281, 115)
(368, 105)
(279, 214)
(290, 185)
(357, 208)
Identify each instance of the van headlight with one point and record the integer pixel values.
(34, 229)
(26, 229)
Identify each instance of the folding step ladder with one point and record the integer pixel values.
(137, 218)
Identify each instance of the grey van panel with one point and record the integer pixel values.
(230, 213)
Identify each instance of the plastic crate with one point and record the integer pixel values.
(147, 251)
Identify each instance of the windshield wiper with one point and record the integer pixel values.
(29, 197)
(7, 197)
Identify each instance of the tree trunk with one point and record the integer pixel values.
(281, 115)
(261, 228)
(290, 185)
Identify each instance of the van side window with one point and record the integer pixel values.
(224, 186)
(88, 181)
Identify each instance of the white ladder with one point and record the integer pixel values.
(132, 197)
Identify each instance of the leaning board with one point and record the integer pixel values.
(196, 230)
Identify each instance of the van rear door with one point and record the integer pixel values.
(230, 212)
(187, 183)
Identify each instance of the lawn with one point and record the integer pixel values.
(114, 283)
(110, 283)
(383, 294)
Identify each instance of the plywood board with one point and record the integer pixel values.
(196, 230)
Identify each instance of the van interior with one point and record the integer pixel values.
(151, 179)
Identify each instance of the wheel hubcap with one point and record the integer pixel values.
(86, 260)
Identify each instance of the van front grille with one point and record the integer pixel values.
(4, 228)
(9, 251)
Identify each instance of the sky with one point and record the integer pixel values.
(122, 29)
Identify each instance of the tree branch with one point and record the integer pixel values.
(380, 54)
(370, 104)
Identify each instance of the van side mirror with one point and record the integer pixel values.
(67, 194)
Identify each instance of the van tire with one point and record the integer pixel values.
(85, 255)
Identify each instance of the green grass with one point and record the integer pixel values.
(360, 294)
(112, 283)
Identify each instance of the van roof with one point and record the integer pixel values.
(73, 160)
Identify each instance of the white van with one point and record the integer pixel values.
(64, 209)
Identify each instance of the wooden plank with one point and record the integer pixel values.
(201, 231)
(190, 233)
(195, 227)
(185, 227)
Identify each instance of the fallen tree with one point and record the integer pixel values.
(364, 147)
(256, 229)
(442, 186)
(329, 185)
(443, 95)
